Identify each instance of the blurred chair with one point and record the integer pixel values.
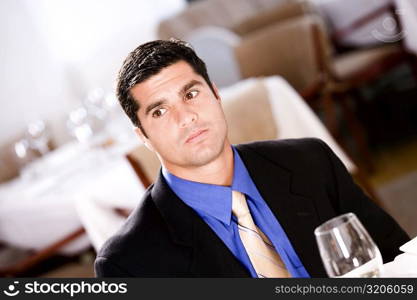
(260, 109)
(353, 69)
(308, 60)
(298, 50)
(220, 13)
(145, 164)
(358, 66)
(289, 48)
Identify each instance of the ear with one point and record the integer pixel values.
(144, 139)
(216, 92)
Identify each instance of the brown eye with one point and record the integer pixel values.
(158, 112)
(191, 94)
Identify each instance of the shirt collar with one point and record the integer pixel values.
(214, 200)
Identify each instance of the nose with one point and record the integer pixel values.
(186, 117)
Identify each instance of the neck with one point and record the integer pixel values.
(218, 172)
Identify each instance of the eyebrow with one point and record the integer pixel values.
(183, 90)
(189, 85)
(153, 105)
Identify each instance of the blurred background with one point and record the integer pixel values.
(71, 168)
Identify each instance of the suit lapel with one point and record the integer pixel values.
(296, 213)
(175, 212)
(210, 256)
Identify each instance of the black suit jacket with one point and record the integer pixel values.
(301, 180)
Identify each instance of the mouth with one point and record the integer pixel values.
(196, 136)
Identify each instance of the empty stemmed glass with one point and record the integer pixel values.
(37, 135)
(346, 248)
(79, 125)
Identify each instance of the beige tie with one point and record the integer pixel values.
(261, 252)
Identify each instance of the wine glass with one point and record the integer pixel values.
(96, 106)
(346, 248)
(37, 134)
(79, 125)
(25, 157)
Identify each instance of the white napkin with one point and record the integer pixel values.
(405, 264)
(410, 247)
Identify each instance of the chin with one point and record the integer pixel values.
(205, 155)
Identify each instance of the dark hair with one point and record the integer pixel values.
(149, 59)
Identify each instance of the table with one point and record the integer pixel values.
(40, 207)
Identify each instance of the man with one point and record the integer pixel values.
(219, 210)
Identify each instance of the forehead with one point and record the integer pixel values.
(169, 80)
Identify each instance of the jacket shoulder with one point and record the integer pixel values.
(126, 245)
(288, 150)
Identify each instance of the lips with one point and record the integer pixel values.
(196, 135)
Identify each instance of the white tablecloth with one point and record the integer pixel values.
(405, 264)
(40, 208)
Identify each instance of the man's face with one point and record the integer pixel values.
(183, 119)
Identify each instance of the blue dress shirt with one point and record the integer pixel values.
(213, 203)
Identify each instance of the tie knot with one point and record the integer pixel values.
(239, 205)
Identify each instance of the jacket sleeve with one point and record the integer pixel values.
(348, 197)
(103, 267)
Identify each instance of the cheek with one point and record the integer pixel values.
(163, 133)
(211, 107)
(216, 113)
